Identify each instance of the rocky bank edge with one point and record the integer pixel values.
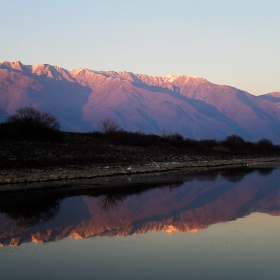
(24, 176)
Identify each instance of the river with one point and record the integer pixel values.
(219, 224)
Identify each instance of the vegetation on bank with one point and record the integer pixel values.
(232, 144)
(30, 124)
(33, 138)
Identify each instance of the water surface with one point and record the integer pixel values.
(213, 225)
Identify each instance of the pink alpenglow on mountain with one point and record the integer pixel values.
(191, 106)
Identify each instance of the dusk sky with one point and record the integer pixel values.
(233, 42)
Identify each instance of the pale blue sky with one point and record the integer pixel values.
(234, 42)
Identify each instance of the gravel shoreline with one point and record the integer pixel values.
(11, 178)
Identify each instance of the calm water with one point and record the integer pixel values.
(214, 225)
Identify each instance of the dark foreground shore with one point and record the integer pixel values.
(14, 179)
(77, 156)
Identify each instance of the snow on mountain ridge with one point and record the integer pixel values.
(59, 73)
(142, 78)
(51, 72)
(274, 94)
(38, 69)
(17, 65)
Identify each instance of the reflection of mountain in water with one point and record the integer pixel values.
(200, 201)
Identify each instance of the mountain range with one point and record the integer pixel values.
(191, 106)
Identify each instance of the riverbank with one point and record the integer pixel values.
(25, 177)
(102, 155)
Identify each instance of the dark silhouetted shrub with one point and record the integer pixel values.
(235, 139)
(31, 124)
(233, 142)
(264, 144)
(107, 125)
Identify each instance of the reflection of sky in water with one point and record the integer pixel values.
(247, 248)
(224, 247)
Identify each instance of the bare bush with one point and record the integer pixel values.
(264, 144)
(233, 142)
(34, 117)
(173, 136)
(106, 125)
(235, 139)
(31, 124)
